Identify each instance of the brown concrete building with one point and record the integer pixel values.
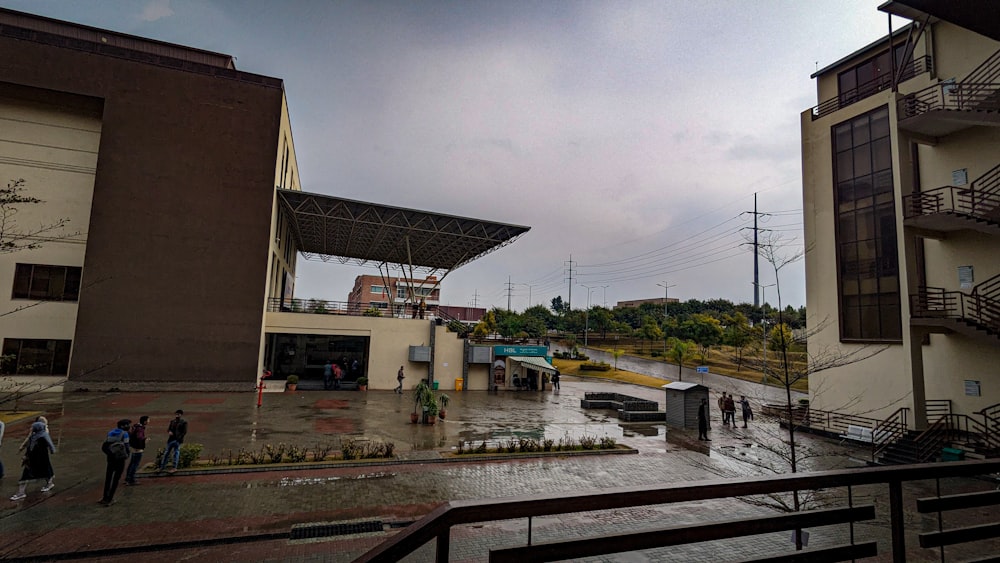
(401, 295)
(180, 154)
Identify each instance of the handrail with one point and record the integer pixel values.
(937, 408)
(889, 431)
(988, 182)
(930, 441)
(988, 288)
(961, 96)
(987, 71)
(954, 199)
(437, 525)
(918, 66)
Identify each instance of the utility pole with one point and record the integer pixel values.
(510, 287)
(475, 299)
(529, 292)
(605, 288)
(569, 302)
(756, 253)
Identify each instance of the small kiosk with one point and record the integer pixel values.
(528, 367)
(683, 400)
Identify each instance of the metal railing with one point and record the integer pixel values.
(936, 408)
(438, 525)
(327, 307)
(919, 65)
(965, 96)
(939, 303)
(951, 199)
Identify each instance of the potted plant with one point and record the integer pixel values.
(362, 383)
(431, 408)
(421, 391)
(443, 400)
(292, 382)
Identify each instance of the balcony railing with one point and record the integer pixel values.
(951, 199)
(326, 307)
(918, 66)
(965, 96)
(837, 540)
(939, 303)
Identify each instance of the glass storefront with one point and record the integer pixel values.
(305, 354)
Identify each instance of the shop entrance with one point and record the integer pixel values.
(305, 355)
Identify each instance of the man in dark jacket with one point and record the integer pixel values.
(175, 437)
(116, 451)
(137, 443)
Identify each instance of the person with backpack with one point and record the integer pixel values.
(116, 452)
(36, 460)
(137, 443)
(175, 437)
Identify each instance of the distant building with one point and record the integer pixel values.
(401, 294)
(901, 207)
(637, 302)
(464, 314)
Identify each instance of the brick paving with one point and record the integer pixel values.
(173, 513)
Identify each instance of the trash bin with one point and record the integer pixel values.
(952, 454)
(434, 386)
(458, 384)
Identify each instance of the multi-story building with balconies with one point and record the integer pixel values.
(403, 296)
(901, 197)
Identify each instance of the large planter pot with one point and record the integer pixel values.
(362, 387)
(414, 417)
(442, 414)
(431, 419)
(291, 387)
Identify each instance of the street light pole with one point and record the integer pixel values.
(666, 289)
(605, 288)
(763, 324)
(586, 315)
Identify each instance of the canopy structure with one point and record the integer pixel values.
(333, 228)
(534, 362)
(980, 16)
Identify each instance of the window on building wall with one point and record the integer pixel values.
(401, 293)
(47, 283)
(379, 304)
(35, 357)
(868, 279)
(871, 76)
(378, 289)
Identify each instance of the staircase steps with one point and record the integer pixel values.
(902, 452)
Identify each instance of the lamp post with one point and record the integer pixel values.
(529, 292)
(586, 315)
(605, 288)
(666, 289)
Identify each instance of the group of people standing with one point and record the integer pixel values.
(334, 370)
(727, 405)
(126, 442)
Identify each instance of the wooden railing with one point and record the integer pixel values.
(438, 525)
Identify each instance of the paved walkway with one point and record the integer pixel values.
(255, 511)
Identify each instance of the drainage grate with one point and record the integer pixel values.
(307, 531)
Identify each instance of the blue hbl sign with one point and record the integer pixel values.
(520, 351)
(702, 369)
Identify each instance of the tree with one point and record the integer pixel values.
(558, 307)
(650, 331)
(780, 336)
(541, 313)
(680, 351)
(600, 319)
(617, 353)
(736, 333)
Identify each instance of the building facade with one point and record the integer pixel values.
(402, 296)
(164, 161)
(901, 193)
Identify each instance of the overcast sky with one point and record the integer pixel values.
(630, 136)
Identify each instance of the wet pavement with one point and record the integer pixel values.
(253, 512)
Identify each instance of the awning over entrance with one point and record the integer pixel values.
(327, 227)
(534, 362)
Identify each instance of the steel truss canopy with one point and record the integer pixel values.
(980, 16)
(333, 228)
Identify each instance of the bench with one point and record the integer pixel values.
(857, 434)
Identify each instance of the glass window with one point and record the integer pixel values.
(378, 289)
(35, 357)
(46, 283)
(866, 230)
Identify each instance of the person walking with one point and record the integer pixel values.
(116, 453)
(722, 409)
(731, 409)
(338, 374)
(703, 421)
(555, 381)
(137, 443)
(175, 437)
(399, 381)
(37, 465)
(747, 411)
(328, 375)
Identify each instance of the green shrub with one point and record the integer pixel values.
(189, 454)
(595, 366)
